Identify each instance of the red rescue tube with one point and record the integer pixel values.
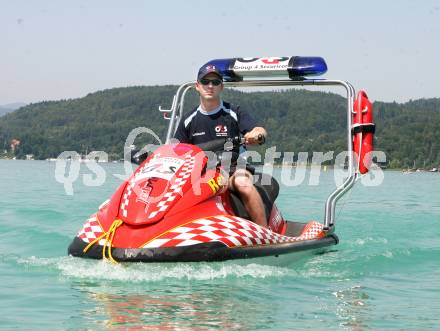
(363, 131)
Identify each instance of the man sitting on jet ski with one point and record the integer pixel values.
(214, 119)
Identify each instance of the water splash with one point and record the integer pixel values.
(154, 272)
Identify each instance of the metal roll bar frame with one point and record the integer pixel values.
(176, 113)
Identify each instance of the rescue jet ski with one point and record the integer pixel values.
(176, 205)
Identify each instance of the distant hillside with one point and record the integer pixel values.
(297, 121)
(14, 105)
(4, 109)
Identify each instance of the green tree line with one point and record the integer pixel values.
(297, 121)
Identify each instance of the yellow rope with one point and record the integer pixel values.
(108, 243)
(107, 248)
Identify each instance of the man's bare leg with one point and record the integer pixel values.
(242, 183)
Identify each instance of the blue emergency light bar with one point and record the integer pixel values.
(294, 67)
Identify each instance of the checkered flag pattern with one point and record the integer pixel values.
(312, 230)
(125, 198)
(230, 230)
(176, 188)
(91, 230)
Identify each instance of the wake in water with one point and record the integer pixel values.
(153, 272)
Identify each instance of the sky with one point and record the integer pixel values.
(52, 50)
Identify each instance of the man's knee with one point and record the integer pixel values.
(242, 181)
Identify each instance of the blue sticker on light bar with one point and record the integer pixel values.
(294, 67)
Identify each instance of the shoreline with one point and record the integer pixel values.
(278, 166)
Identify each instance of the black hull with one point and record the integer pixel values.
(214, 251)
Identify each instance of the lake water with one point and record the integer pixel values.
(384, 274)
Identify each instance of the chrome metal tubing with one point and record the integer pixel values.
(176, 104)
(182, 101)
(330, 205)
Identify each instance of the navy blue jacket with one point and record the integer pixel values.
(198, 127)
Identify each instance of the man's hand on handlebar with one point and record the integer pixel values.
(256, 136)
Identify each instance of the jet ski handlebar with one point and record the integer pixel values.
(217, 145)
(261, 139)
(227, 144)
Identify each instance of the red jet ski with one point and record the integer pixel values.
(176, 207)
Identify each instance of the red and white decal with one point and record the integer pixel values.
(91, 230)
(221, 130)
(176, 187)
(276, 220)
(125, 198)
(231, 230)
(162, 167)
